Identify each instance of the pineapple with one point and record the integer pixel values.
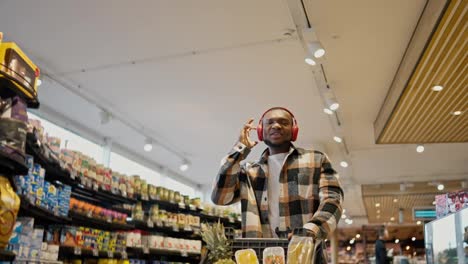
(217, 244)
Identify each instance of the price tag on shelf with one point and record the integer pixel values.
(72, 175)
(159, 223)
(183, 253)
(150, 223)
(231, 220)
(109, 220)
(192, 207)
(77, 251)
(89, 214)
(95, 252)
(175, 228)
(124, 255)
(145, 250)
(95, 187)
(181, 205)
(187, 228)
(110, 254)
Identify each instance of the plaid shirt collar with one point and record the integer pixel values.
(266, 153)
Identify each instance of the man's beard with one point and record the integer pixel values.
(273, 145)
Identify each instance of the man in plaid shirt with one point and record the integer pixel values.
(287, 188)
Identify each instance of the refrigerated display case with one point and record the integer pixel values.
(446, 239)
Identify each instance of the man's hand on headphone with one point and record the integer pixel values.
(244, 137)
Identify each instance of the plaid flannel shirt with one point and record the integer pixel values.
(310, 193)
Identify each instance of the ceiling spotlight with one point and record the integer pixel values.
(310, 61)
(349, 221)
(420, 149)
(333, 104)
(343, 216)
(351, 241)
(433, 202)
(38, 82)
(413, 239)
(377, 205)
(440, 187)
(358, 236)
(392, 218)
(437, 88)
(148, 145)
(456, 113)
(348, 248)
(184, 166)
(407, 247)
(344, 164)
(397, 241)
(395, 200)
(418, 222)
(338, 139)
(316, 49)
(328, 111)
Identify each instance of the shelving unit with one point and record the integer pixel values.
(77, 252)
(170, 230)
(40, 214)
(6, 255)
(88, 221)
(160, 254)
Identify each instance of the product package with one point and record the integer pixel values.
(273, 255)
(9, 207)
(301, 250)
(246, 256)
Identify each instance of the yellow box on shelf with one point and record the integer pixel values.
(18, 73)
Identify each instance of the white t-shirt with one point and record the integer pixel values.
(275, 164)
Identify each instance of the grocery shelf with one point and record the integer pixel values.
(40, 261)
(83, 220)
(167, 230)
(224, 220)
(100, 196)
(40, 214)
(77, 252)
(163, 254)
(6, 255)
(10, 167)
(171, 206)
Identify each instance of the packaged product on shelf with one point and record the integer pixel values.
(54, 145)
(107, 183)
(123, 185)
(136, 184)
(246, 256)
(130, 188)
(9, 207)
(152, 191)
(144, 190)
(138, 214)
(154, 213)
(273, 255)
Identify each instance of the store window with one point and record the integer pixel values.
(71, 140)
(129, 167)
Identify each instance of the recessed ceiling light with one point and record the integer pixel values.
(437, 88)
(338, 139)
(440, 187)
(348, 248)
(148, 145)
(351, 241)
(358, 236)
(392, 218)
(377, 205)
(328, 111)
(407, 247)
(397, 241)
(395, 200)
(334, 106)
(418, 222)
(344, 164)
(184, 166)
(319, 53)
(434, 203)
(420, 149)
(457, 113)
(413, 238)
(310, 61)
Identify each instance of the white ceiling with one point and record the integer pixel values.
(201, 68)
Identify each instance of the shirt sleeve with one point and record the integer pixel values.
(326, 218)
(226, 187)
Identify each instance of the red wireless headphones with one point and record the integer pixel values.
(295, 128)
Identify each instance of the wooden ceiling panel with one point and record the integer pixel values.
(422, 115)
